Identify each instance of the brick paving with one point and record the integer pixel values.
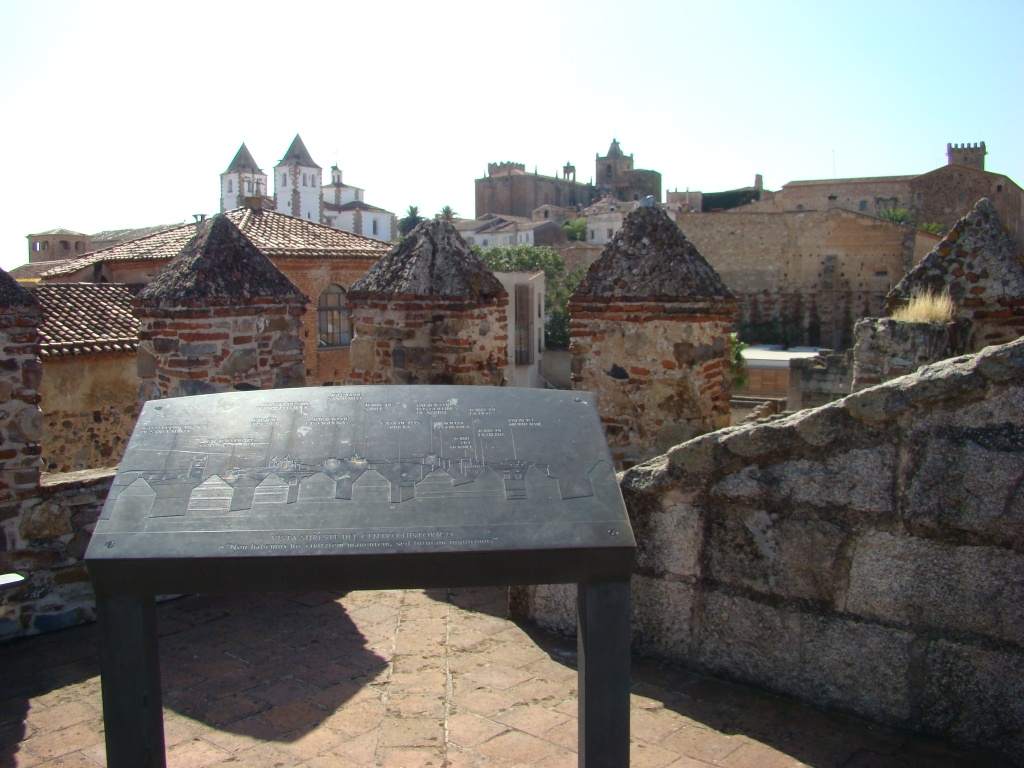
(406, 679)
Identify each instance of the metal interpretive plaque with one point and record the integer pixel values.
(362, 488)
(363, 470)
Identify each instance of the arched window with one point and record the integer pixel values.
(332, 317)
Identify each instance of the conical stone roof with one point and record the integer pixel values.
(432, 261)
(297, 154)
(13, 294)
(977, 259)
(243, 162)
(221, 266)
(649, 258)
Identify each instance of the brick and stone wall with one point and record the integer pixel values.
(649, 336)
(866, 556)
(90, 404)
(46, 544)
(430, 312)
(818, 380)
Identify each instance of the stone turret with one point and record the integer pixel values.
(978, 265)
(430, 312)
(219, 316)
(649, 328)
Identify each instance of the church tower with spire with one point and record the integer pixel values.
(242, 179)
(297, 183)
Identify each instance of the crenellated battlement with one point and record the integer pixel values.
(497, 169)
(972, 155)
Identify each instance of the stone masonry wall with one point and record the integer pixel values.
(46, 543)
(818, 380)
(442, 342)
(659, 375)
(866, 556)
(200, 350)
(90, 403)
(887, 349)
(20, 418)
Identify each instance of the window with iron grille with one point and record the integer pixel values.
(524, 325)
(332, 317)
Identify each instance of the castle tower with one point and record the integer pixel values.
(242, 179)
(430, 312)
(649, 337)
(972, 155)
(297, 184)
(219, 316)
(613, 169)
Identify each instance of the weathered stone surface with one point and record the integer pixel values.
(973, 695)
(933, 587)
(672, 537)
(46, 520)
(662, 616)
(240, 361)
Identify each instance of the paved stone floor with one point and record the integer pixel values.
(407, 679)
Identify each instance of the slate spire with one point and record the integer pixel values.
(243, 162)
(650, 258)
(297, 154)
(432, 261)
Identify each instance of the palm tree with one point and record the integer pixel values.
(408, 222)
(447, 213)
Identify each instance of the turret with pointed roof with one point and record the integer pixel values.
(236, 319)
(430, 312)
(650, 333)
(297, 183)
(242, 179)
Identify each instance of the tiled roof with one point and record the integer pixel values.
(354, 205)
(219, 264)
(59, 231)
(34, 269)
(111, 237)
(862, 180)
(274, 234)
(86, 318)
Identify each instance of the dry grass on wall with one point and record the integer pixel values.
(926, 307)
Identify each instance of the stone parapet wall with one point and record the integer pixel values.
(866, 556)
(206, 349)
(887, 349)
(437, 342)
(46, 544)
(818, 380)
(659, 371)
(21, 424)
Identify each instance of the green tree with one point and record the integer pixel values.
(408, 223)
(447, 213)
(559, 283)
(737, 363)
(576, 229)
(934, 227)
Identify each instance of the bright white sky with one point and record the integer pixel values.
(123, 114)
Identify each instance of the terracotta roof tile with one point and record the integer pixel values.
(274, 234)
(86, 318)
(34, 269)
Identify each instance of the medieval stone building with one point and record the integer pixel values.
(219, 316)
(509, 189)
(430, 312)
(650, 336)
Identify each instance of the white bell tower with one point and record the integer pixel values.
(297, 184)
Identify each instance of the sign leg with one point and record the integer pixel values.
(603, 637)
(130, 678)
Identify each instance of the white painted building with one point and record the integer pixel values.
(525, 327)
(604, 219)
(299, 191)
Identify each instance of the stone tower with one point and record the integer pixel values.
(219, 316)
(977, 264)
(430, 312)
(613, 169)
(242, 179)
(649, 335)
(297, 183)
(972, 155)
